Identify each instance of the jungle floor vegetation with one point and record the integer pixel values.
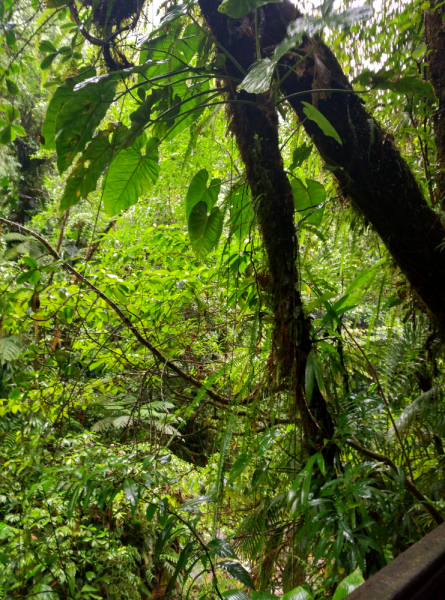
(222, 295)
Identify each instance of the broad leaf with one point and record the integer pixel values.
(221, 548)
(130, 175)
(238, 572)
(164, 536)
(199, 191)
(233, 595)
(241, 211)
(259, 77)
(141, 118)
(60, 97)
(204, 229)
(315, 115)
(313, 373)
(79, 118)
(270, 436)
(308, 198)
(197, 502)
(349, 584)
(239, 8)
(263, 596)
(299, 593)
(238, 467)
(299, 155)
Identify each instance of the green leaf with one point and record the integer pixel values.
(163, 537)
(141, 118)
(259, 77)
(238, 572)
(180, 565)
(233, 595)
(221, 548)
(308, 198)
(60, 97)
(349, 584)
(48, 61)
(313, 373)
(7, 135)
(241, 211)
(269, 437)
(12, 113)
(238, 467)
(131, 490)
(12, 87)
(263, 596)
(130, 175)
(197, 502)
(46, 46)
(364, 277)
(315, 115)
(204, 229)
(32, 264)
(23, 277)
(90, 166)
(151, 510)
(299, 155)
(299, 593)
(79, 118)
(73, 500)
(239, 8)
(199, 192)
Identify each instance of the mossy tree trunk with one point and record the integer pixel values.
(369, 168)
(254, 123)
(435, 39)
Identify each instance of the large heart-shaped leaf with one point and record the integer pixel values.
(130, 175)
(79, 118)
(239, 8)
(307, 197)
(204, 229)
(199, 192)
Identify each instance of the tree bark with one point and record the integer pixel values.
(435, 40)
(368, 166)
(254, 123)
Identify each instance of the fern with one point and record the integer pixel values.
(10, 349)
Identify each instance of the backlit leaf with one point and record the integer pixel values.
(78, 120)
(204, 229)
(130, 175)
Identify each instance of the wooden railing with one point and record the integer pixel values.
(417, 574)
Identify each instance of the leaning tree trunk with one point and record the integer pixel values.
(368, 165)
(435, 40)
(254, 123)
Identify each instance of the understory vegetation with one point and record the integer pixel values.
(222, 308)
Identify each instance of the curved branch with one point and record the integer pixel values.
(122, 316)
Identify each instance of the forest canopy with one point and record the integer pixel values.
(222, 307)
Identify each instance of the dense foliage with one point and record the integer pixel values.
(152, 442)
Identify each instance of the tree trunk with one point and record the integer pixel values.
(435, 40)
(368, 166)
(254, 123)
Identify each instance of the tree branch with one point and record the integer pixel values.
(122, 316)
